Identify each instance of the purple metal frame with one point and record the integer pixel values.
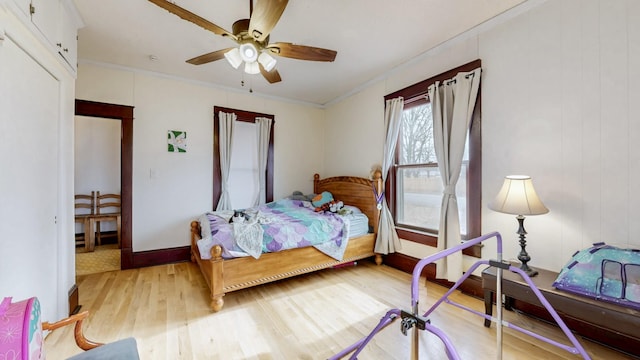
(394, 314)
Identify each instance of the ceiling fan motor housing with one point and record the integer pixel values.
(240, 26)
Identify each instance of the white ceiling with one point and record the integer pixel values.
(372, 37)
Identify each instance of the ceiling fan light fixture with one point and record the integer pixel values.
(268, 62)
(251, 68)
(233, 57)
(248, 52)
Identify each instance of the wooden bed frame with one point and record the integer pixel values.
(226, 275)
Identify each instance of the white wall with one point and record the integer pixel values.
(354, 132)
(172, 189)
(558, 87)
(562, 80)
(97, 155)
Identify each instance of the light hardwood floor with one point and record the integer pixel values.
(311, 316)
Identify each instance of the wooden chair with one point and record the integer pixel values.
(125, 349)
(21, 322)
(77, 319)
(108, 208)
(84, 209)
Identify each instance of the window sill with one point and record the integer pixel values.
(432, 240)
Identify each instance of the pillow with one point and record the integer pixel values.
(298, 195)
(353, 209)
(324, 198)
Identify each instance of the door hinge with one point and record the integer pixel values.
(32, 9)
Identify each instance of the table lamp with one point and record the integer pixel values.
(518, 197)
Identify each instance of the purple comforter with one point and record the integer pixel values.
(283, 224)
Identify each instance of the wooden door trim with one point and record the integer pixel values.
(123, 113)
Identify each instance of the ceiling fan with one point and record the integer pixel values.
(252, 36)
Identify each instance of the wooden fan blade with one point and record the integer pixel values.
(272, 76)
(264, 17)
(189, 16)
(207, 58)
(301, 52)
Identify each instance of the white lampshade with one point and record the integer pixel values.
(233, 57)
(267, 61)
(518, 197)
(251, 68)
(248, 52)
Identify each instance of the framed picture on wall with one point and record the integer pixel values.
(177, 141)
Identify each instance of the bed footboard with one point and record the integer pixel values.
(216, 283)
(212, 269)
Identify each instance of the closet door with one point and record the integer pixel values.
(29, 103)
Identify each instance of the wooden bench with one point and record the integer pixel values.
(604, 322)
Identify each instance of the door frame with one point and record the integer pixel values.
(123, 113)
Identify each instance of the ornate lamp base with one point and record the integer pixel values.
(523, 256)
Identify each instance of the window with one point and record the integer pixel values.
(418, 179)
(414, 185)
(243, 136)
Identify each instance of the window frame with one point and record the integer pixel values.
(415, 95)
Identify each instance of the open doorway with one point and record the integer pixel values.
(97, 173)
(123, 115)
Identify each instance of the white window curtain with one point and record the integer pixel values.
(452, 103)
(263, 129)
(227, 121)
(387, 241)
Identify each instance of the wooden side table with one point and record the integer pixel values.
(514, 287)
(605, 322)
